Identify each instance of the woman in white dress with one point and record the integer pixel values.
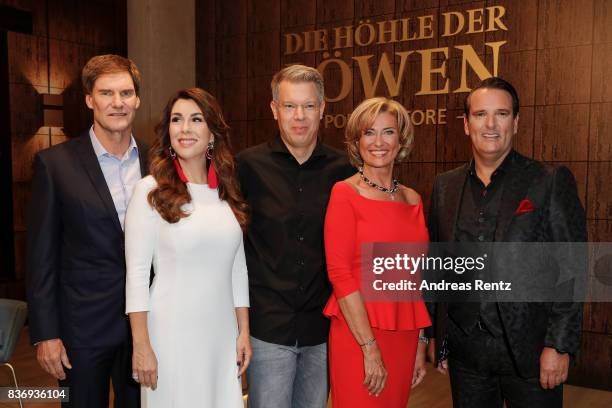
(190, 328)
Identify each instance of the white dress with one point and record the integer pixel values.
(200, 277)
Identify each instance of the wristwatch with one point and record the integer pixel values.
(423, 339)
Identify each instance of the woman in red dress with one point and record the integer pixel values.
(377, 349)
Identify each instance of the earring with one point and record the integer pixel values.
(177, 165)
(209, 150)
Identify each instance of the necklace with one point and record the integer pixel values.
(370, 183)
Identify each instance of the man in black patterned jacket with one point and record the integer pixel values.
(516, 352)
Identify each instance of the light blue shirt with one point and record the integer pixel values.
(121, 175)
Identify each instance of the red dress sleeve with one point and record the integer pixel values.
(340, 235)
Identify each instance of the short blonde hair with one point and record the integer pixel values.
(364, 116)
(298, 73)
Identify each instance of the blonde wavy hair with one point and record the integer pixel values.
(364, 116)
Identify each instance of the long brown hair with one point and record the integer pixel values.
(171, 193)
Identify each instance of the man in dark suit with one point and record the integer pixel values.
(517, 352)
(76, 267)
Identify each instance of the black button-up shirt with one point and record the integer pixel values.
(477, 222)
(284, 241)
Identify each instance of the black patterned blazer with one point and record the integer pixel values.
(558, 217)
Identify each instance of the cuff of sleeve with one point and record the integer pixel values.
(136, 308)
(345, 291)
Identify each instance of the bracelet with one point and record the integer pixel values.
(423, 339)
(368, 343)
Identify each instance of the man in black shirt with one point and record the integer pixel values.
(517, 352)
(287, 182)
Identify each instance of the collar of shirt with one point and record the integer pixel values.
(100, 151)
(278, 146)
(504, 167)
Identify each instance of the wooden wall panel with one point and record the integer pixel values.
(263, 15)
(62, 74)
(424, 145)
(26, 110)
(28, 56)
(477, 40)
(561, 132)
(334, 10)
(420, 177)
(523, 141)
(372, 8)
(466, 3)
(93, 22)
(20, 255)
(65, 35)
(600, 230)
(600, 126)
(261, 131)
(25, 147)
(206, 19)
(376, 50)
(418, 44)
(238, 134)
(519, 68)
(411, 84)
(557, 54)
(556, 16)
(521, 17)
(599, 191)
(298, 12)
(208, 86)
(453, 145)
(206, 59)
(59, 138)
(77, 117)
(231, 17)
(602, 29)
(597, 317)
(587, 372)
(572, 84)
(263, 56)
(296, 58)
(402, 6)
(37, 9)
(258, 103)
(21, 200)
(601, 84)
(232, 57)
(232, 95)
(454, 100)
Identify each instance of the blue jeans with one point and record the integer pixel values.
(287, 376)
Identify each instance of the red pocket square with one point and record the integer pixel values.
(525, 206)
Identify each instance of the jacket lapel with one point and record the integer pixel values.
(88, 159)
(143, 151)
(515, 189)
(453, 196)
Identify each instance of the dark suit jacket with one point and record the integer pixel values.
(75, 270)
(558, 217)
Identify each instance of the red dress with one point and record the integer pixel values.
(351, 220)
